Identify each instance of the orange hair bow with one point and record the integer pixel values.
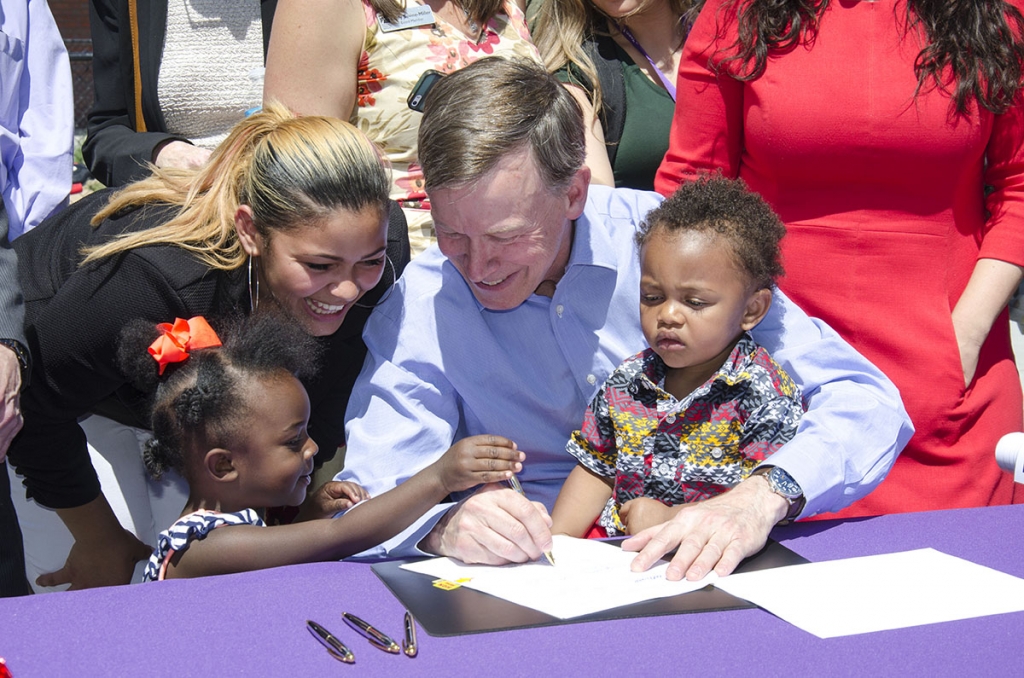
(175, 341)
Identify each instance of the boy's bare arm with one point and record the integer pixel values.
(580, 502)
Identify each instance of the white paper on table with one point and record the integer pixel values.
(877, 593)
(589, 576)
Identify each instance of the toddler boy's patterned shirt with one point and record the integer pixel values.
(680, 451)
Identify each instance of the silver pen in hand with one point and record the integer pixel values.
(514, 483)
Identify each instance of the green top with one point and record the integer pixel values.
(649, 111)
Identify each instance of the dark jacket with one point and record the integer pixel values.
(115, 153)
(73, 319)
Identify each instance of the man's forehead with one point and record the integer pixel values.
(516, 167)
(498, 202)
(478, 217)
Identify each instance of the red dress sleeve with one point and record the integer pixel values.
(1004, 230)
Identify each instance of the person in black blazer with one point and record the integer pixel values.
(291, 212)
(114, 151)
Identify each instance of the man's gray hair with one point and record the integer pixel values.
(481, 113)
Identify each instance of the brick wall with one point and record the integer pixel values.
(72, 18)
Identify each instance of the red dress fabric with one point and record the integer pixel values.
(882, 195)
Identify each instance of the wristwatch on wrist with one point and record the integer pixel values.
(782, 484)
(22, 354)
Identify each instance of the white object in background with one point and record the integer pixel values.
(1010, 455)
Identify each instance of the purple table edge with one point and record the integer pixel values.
(254, 623)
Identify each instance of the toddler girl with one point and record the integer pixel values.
(232, 420)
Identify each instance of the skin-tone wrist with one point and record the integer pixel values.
(92, 521)
(432, 542)
(10, 385)
(987, 293)
(772, 503)
(10, 357)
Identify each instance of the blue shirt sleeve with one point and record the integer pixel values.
(855, 425)
(37, 116)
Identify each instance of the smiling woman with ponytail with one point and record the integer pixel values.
(290, 214)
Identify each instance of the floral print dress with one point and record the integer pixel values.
(389, 67)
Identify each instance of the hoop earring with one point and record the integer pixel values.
(254, 298)
(391, 286)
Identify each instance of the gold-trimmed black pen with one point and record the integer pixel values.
(409, 644)
(335, 647)
(378, 639)
(514, 483)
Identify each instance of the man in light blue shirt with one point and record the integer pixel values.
(36, 127)
(529, 303)
(36, 114)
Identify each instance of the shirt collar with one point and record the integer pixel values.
(653, 368)
(592, 244)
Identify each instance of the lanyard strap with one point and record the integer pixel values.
(670, 86)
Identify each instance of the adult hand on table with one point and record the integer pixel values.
(10, 384)
(494, 526)
(714, 534)
(104, 553)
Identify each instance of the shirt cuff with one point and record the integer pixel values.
(406, 543)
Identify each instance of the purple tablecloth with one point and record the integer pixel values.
(254, 624)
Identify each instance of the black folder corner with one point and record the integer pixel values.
(463, 610)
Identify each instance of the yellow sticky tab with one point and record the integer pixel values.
(446, 585)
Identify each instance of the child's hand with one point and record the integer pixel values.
(643, 512)
(478, 459)
(330, 498)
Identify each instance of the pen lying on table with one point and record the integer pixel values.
(376, 638)
(409, 644)
(334, 646)
(514, 482)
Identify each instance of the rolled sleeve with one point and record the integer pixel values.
(1004, 231)
(855, 424)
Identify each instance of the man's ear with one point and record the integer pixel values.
(577, 193)
(757, 308)
(220, 466)
(248, 236)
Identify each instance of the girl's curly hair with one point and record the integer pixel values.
(198, 404)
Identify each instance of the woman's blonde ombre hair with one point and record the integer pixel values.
(290, 170)
(561, 28)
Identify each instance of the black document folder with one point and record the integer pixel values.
(462, 611)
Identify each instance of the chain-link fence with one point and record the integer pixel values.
(80, 52)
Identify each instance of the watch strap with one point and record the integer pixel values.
(22, 354)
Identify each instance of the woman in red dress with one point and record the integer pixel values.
(888, 137)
